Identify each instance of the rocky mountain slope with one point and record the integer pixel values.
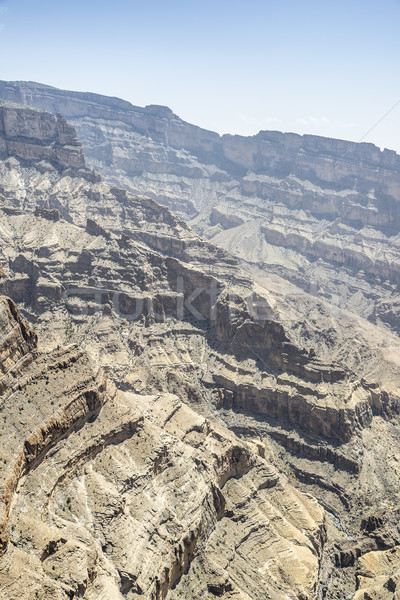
(163, 311)
(322, 213)
(107, 494)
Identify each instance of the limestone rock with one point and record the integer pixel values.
(322, 213)
(107, 494)
(379, 576)
(37, 135)
(274, 385)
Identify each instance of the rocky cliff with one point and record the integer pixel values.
(322, 213)
(148, 269)
(115, 495)
(163, 311)
(34, 135)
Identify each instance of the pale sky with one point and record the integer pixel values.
(318, 66)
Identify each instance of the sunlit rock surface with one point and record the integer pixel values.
(293, 393)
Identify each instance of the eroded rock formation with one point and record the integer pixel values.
(111, 494)
(33, 135)
(201, 354)
(322, 213)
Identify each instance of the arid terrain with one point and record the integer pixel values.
(200, 358)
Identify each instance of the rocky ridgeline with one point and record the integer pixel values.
(322, 213)
(164, 312)
(269, 152)
(18, 345)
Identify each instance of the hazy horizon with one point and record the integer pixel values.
(326, 69)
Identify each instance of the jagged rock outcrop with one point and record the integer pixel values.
(37, 135)
(379, 575)
(64, 391)
(18, 344)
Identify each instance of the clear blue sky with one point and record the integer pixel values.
(316, 66)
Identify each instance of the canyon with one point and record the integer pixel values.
(321, 213)
(205, 392)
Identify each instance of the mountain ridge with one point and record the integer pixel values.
(20, 87)
(194, 343)
(322, 221)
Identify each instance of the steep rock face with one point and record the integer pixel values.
(64, 390)
(17, 344)
(125, 295)
(322, 213)
(157, 271)
(112, 495)
(34, 135)
(269, 152)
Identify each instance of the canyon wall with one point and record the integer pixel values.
(321, 213)
(233, 396)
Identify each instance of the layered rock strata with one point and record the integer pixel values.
(166, 312)
(32, 135)
(322, 213)
(114, 495)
